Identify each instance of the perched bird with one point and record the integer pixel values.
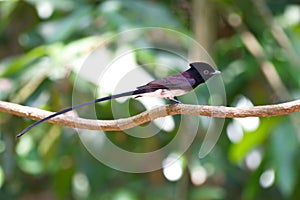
(169, 88)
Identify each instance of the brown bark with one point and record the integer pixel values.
(149, 115)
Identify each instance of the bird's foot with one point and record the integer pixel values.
(174, 100)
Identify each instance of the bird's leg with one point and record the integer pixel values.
(174, 100)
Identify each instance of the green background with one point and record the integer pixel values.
(254, 43)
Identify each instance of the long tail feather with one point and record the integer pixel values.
(135, 92)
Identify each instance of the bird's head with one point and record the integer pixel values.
(204, 69)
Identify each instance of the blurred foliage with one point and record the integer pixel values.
(41, 46)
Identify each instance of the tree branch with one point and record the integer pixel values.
(149, 115)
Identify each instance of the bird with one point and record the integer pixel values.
(169, 88)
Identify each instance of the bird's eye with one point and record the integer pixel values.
(206, 72)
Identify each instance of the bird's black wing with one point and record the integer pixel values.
(177, 81)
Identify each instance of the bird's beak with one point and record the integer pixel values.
(215, 72)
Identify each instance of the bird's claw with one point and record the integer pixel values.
(174, 100)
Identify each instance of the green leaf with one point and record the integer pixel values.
(284, 148)
(250, 140)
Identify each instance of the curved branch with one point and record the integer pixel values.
(149, 115)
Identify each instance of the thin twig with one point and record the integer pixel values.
(149, 115)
